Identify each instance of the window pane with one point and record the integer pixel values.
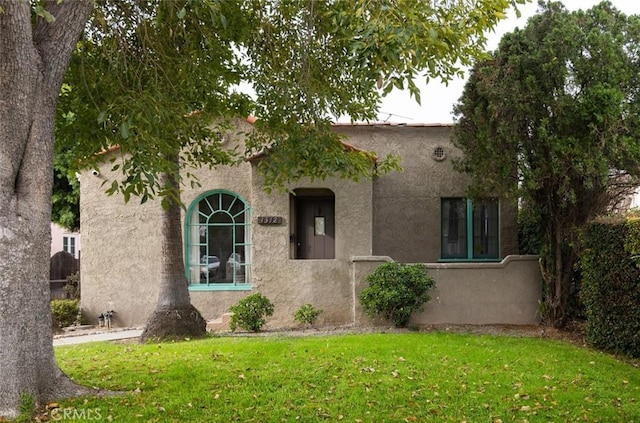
(220, 245)
(209, 268)
(454, 228)
(236, 209)
(69, 245)
(235, 266)
(208, 206)
(218, 240)
(485, 229)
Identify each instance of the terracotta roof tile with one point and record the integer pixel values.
(349, 147)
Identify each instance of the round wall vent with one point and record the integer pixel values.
(223, 137)
(439, 154)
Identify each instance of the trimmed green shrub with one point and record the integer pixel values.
(65, 312)
(610, 287)
(395, 291)
(250, 312)
(307, 314)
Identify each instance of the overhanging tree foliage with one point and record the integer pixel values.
(161, 84)
(553, 118)
(65, 199)
(158, 75)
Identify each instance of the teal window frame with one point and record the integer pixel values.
(223, 203)
(472, 219)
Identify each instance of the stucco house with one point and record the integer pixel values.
(318, 242)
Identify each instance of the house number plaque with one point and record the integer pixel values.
(269, 220)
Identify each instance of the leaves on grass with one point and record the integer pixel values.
(389, 377)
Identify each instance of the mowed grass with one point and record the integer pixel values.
(412, 377)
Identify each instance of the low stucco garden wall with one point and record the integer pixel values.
(507, 292)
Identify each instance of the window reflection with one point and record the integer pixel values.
(218, 247)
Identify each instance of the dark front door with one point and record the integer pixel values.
(315, 227)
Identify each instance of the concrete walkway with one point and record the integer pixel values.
(71, 338)
(89, 333)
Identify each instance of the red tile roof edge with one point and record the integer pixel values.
(350, 147)
(400, 124)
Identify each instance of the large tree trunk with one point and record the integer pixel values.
(33, 60)
(174, 316)
(557, 267)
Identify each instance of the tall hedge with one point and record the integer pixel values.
(610, 289)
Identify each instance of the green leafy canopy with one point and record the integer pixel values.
(158, 76)
(553, 118)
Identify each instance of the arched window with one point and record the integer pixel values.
(217, 239)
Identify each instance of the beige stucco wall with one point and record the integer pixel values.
(121, 260)
(237, 179)
(469, 293)
(326, 284)
(397, 215)
(408, 202)
(121, 253)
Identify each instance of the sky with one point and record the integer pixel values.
(438, 99)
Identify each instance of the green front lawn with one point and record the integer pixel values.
(353, 378)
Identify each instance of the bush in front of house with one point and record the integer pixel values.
(65, 312)
(250, 312)
(610, 290)
(307, 314)
(72, 288)
(395, 291)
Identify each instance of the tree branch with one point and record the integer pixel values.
(56, 40)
